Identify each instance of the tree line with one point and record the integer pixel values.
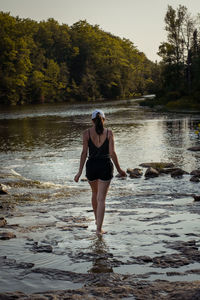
(179, 69)
(48, 62)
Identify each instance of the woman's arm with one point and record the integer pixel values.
(113, 154)
(83, 155)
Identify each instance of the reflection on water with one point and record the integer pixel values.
(100, 261)
(50, 136)
(40, 149)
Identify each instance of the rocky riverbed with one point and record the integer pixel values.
(48, 246)
(49, 249)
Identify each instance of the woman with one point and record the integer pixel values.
(99, 168)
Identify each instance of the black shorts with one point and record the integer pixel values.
(99, 169)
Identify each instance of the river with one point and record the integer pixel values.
(40, 150)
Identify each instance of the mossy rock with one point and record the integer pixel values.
(157, 165)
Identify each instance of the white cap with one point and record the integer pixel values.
(96, 111)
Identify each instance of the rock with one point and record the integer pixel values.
(129, 170)
(84, 179)
(7, 235)
(145, 258)
(178, 173)
(3, 189)
(196, 198)
(195, 173)
(166, 171)
(151, 172)
(42, 248)
(3, 222)
(195, 148)
(194, 179)
(135, 173)
(157, 165)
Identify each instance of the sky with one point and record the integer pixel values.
(140, 21)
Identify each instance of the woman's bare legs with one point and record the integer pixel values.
(94, 187)
(101, 197)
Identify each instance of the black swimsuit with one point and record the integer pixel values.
(99, 165)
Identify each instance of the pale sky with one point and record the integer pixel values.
(141, 21)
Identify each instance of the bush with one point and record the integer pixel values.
(174, 95)
(182, 104)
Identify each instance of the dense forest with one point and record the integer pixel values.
(48, 62)
(178, 83)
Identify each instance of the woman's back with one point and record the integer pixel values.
(98, 144)
(97, 139)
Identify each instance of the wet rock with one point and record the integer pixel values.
(42, 248)
(73, 226)
(174, 274)
(135, 173)
(3, 189)
(195, 173)
(121, 287)
(3, 222)
(194, 179)
(195, 148)
(7, 235)
(129, 170)
(145, 258)
(157, 165)
(166, 171)
(196, 198)
(177, 173)
(84, 179)
(173, 260)
(151, 172)
(4, 261)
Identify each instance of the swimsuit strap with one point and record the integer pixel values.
(89, 133)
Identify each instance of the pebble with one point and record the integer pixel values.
(3, 189)
(3, 222)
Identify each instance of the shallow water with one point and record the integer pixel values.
(40, 149)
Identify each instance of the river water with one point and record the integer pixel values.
(40, 150)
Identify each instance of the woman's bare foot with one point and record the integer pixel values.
(100, 232)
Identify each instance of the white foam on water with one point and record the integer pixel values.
(13, 172)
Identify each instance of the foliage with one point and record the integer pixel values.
(45, 61)
(180, 65)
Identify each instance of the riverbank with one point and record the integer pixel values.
(182, 105)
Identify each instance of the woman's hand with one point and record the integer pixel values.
(76, 178)
(122, 173)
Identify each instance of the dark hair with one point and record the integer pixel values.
(98, 121)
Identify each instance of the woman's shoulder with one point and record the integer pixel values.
(109, 132)
(87, 132)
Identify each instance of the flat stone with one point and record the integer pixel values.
(157, 165)
(7, 235)
(43, 248)
(195, 148)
